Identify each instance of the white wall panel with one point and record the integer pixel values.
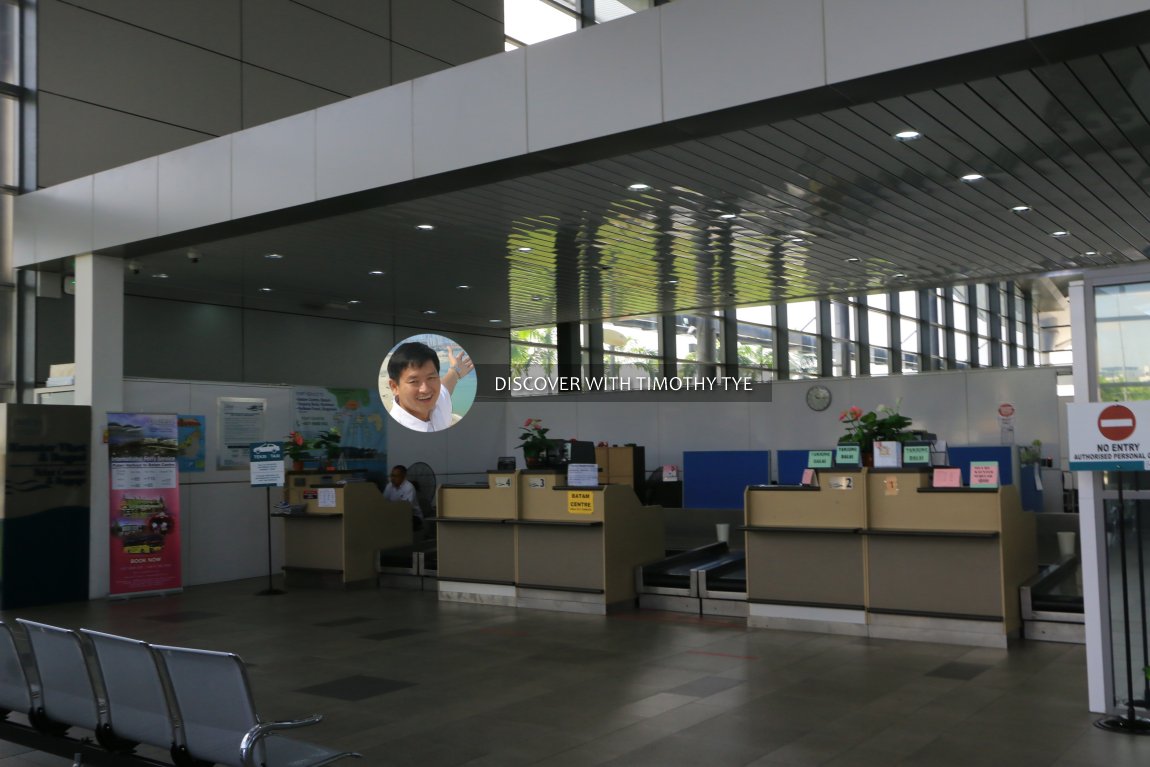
(227, 526)
(364, 142)
(195, 186)
(63, 219)
(471, 115)
(125, 203)
(273, 166)
(727, 52)
(866, 38)
(596, 82)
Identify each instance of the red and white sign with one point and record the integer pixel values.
(1116, 423)
(1109, 436)
(1006, 410)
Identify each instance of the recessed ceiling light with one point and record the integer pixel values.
(1060, 233)
(463, 287)
(899, 276)
(1091, 253)
(354, 301)
(728, 216)
(377, 272)
(639, 187)
(853, 260)
(907, 135)
(972, 177)
(1021, 208)
(536, 298)
(495, 320)
(524, 249)
(424, 227)
(273, 256)
(265, 290)
(160, 276)
(671, 282)
(429, 311)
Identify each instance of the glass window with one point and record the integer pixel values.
(532, 21)
(534, 352)
(9, 42)
(961, 349)
(1123, 326)
(878, 301)
(803, 339)
(879, 361)
(760, 315)
(908, 303)
(878, 327)
(9, 146)
(697, 344)
(756, 342)
(608, 10)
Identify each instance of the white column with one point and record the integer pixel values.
(1091, 522)
(99, 355)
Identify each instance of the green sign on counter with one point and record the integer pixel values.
(819, 459)
(848, 455)
(916, 454)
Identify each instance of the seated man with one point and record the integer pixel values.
(399, 489)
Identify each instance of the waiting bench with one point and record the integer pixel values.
(195, 704)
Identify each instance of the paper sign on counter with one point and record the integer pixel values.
(326, 498)
(947, 477)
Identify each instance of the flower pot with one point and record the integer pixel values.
(297, 465)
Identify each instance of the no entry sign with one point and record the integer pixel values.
(1109, 436)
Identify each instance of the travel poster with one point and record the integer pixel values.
(144, 503)
(191, 455)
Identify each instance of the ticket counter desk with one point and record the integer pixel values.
(577, 547)
(335, 540)
(476, 540)
(540, 544)
(945, 564)
(806, 555)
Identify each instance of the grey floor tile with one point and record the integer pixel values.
(961, 671)
(342, 622)
(392, 634)
(183, 616)
(355, 688)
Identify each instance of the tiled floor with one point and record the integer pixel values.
(407, 680)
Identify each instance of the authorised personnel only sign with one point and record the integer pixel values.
(1109, 436)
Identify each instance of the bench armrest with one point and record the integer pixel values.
(261, 730)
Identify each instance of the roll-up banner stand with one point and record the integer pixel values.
(144, 504)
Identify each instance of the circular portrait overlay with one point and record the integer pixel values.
(427, 382)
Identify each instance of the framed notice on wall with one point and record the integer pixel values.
(241, 422)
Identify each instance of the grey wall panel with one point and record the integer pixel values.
(572, 79)
(124, 207)
(195, 186)
(172, 339)
(313, 47)
(273, 166)
(78, 139)
(1046, 16)
(492, 8)
(103, 61)
(727, 52)
(213, 25)
(268, 96)
(55, 333)
(364, 142)
(371, 15)
(867, 38)
(407, 64)
(445, 29)
(470, 115)
(313, 351)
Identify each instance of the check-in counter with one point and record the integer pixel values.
(335, 537)
(577, 547)
(806, 556)
(945, 564)
(476, 539)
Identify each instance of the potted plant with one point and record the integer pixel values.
(296, 448)
(328, 442)
(533, 440)
(883, 424)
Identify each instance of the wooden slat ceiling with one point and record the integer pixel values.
(823, 205)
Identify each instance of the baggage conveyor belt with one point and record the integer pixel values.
(709, 580)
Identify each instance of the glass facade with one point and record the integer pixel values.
(879, 334)
(11, 94)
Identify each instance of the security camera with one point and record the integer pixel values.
(134, 267)
(194, 256)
